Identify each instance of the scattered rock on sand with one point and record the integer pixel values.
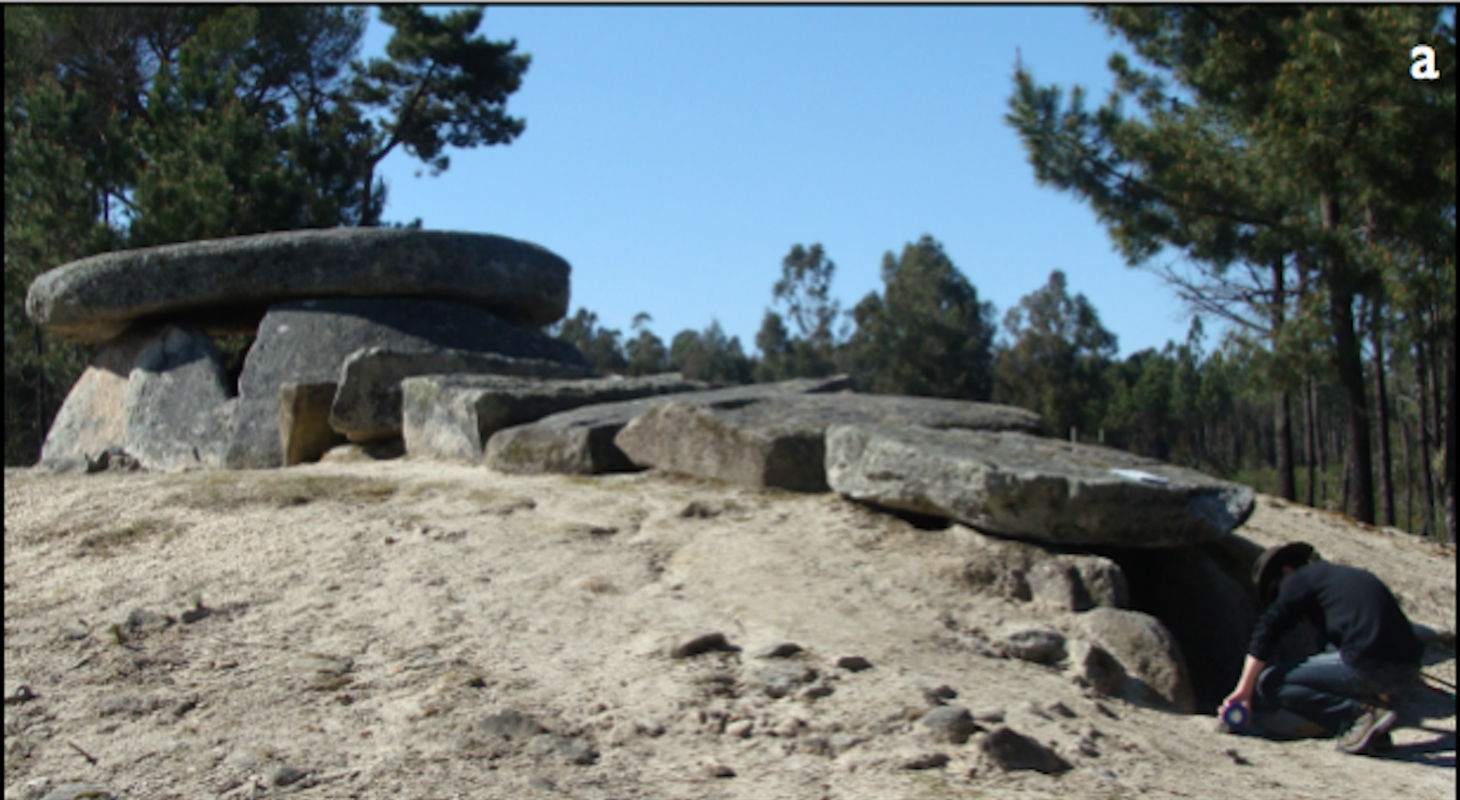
(704, 643)
(953, 724)
(1147, 652)
(79, 791)
(1010, 750)
(1031, 643)
(285, 774)
(926, 761)
(779, 650)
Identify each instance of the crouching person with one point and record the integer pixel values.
(1373, 654)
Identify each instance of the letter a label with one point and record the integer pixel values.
(1422, 63)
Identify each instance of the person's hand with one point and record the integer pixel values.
(1238, 696)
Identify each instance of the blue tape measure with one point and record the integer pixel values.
(1236, 716)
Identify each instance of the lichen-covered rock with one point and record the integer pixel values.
(307, 342)
(1023, 486)
(159, 394)
(453, 416)
(1078, 583)
(226, 284)
(777, 441)
(1010, 751)
(1148, 653)
(177, 402)
(581, 441)
(367, 405)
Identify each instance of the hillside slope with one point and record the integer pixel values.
(401, 629)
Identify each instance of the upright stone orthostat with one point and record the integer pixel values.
(307, 341)
(160, 394)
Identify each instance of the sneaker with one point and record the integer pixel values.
(1368, 726)
(1382, 743)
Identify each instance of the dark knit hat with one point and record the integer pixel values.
(1268, 571)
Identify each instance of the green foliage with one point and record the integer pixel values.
(1057, 358)
(927, 333)
(1293, 137)
(709, 356)
(129, 126)
(598, 344)
(804, 291)
(645, 353)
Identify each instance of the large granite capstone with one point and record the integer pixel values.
(223, 285)
(307, 341)
(777, 440)
(452, 416)
(1027, 487)
(581, 441)
(367, 404)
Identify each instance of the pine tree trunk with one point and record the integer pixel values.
(1284, 418)
(1381, 407)
(1287, 487)
(1405, 441)
(1426, 475)
(1310, 399)
(1358, 461)
(1449, 401)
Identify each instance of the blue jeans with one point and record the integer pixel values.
(1324, 689)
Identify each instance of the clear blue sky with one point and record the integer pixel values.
(674, 155)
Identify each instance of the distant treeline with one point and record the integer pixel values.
(1222, 409)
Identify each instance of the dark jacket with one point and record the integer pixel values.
(1354, 610)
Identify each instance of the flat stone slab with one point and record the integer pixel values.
(307, 341)
(367, 405)
(1027, 487)
(581, 441)
(778, 441)
(453, 416)
(226, 284)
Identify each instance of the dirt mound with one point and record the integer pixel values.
(398, 629)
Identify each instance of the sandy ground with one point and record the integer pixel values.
(364, 630)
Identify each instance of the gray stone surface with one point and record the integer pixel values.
(581, 441)
(1010, 750)
(171, 412)
(73, 790)
(159, 394)
(1022, 486)
(1078, 583)
(307, 341)
(778, 440)
(1155, 668)
(952, 724)
(368, 404)
(1031, 643)
(453, 416)
(226, 284)
(91, 419)
(304, 421)
(1096, 668)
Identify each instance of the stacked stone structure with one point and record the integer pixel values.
(430, 343)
